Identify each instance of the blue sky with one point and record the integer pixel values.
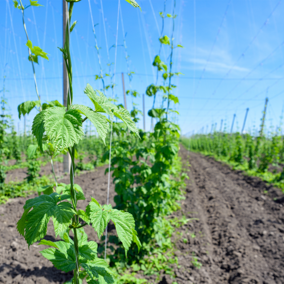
(232, 58)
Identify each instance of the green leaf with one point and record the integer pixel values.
(179, 45)
(165, 76)
(38, 128)
(16, 4)
(63, 128)
(48, 243)
(83, 215)
(124, 224)
(61, 259)
(63, 214)
(73, 26)
(101, 102)
(124, 115)
(165, 40)
(97, 270)
(159, 63)
(156, 112)
(66, 189)
(34, 3)
(33, 224)
(26, 107)
(51, 104)
(31, 151)
(173, 98)
(169, 16)
(133, 3)
(36, 50)
(98, 217)
(97, 119)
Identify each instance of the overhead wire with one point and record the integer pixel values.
(245, 49)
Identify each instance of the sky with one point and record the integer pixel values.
(233, 57)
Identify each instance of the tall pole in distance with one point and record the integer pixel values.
(263, 117)
(244, 124)
(221, 125)
(66, 158)
(123, 86)
(206, 129)
(144, 114)
(232, 127)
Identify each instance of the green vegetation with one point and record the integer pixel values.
(256, 155)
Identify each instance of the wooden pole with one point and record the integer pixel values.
(66, 158)
(124, 94)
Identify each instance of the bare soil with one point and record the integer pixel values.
(238, 237)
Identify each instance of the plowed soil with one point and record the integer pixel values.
(238, 237)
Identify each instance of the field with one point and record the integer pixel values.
(234, 231)
(89, 194)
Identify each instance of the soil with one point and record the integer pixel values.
(238, 236)
(19, 175)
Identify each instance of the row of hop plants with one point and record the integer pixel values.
(260, 155)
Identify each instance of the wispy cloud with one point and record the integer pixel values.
(217, 61)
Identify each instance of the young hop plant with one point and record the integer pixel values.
(62, 127)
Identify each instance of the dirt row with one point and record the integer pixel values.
(240, 232)
(238, 236)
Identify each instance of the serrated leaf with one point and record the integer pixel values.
(38, 128)
(51, 104)
(36, 50)
(98, 217)
(62, 261)
(63, 128)
(62, 217)
(97, 119)
(124, 224)
(101, 102)
(38, 211)
(83, 215)
(124, 115)
(96, 271)
(66, 189)
(26, 107)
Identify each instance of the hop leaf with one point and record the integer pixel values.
(98, 217)
(38, 128)
(101, 102)
(124, 115)
(26, 107)
(63, 128)
(36, 50)
(123, 221)
(38, 211)
(98, 120)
